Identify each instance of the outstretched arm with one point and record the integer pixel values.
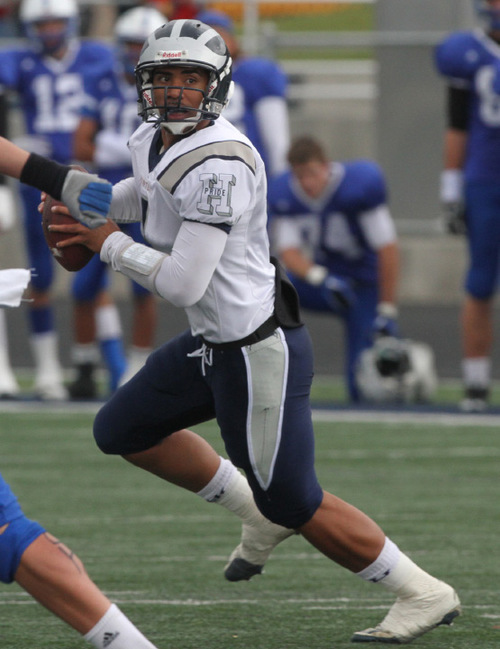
(87, 196)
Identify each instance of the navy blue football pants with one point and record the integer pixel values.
(259, 395)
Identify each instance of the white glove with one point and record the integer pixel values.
(8, 208)
(451, 194)
(451, 186)
(87, 197)
(111, 150)
(13, 283)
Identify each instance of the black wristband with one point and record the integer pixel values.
(44, 174)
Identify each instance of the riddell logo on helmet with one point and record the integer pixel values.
(162, 55)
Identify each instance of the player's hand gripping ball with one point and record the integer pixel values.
(73, 257)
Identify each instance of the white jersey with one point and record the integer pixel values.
(213, 176)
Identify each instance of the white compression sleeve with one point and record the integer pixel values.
(182, 277)
(125, 205)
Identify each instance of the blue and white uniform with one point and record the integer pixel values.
(340, 230)
(111, 102)
(246, 359)
(50, 94)
(471, 61)
(258, 109)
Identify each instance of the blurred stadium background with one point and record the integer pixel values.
(362, 80)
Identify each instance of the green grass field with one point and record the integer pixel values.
(159, 552)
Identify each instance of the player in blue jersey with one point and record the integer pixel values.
(470, 184)
(47, 75)
(200, 190)
(332, 229)
(30, 556)
(258, 106)
(52, 574)
(108, 118)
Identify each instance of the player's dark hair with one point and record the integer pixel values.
(305, 149)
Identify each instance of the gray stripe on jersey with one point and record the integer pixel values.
(267, 370)
(230, 149)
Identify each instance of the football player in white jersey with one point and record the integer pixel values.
(199, 188)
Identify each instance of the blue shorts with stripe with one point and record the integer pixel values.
(259, 395)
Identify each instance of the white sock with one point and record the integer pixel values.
(8, 380)
(115, 631)
(46, 355)
(397, 572)
(230, 489)
(108, 325)
(477, 372)
(383, 565)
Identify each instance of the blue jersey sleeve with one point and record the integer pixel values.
(279, 196)
(459, 56)
(262, 78)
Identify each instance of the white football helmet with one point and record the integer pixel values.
(184, 43)
(34, 12)
(397, 371)
(131, 29)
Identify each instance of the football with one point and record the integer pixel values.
(73, 257)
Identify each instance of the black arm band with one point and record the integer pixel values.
(458, 108)
(44, 174)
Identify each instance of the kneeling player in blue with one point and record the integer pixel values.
(331, 227)
(200, 189)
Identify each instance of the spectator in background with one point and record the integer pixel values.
(258, 106)
(9, 27)
(470, 185)
(173, 9)
(47, 75)
(332, 229)
(109, 117)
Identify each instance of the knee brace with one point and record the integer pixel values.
(17, 536)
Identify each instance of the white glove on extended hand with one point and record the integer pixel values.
(8, 209)
(87, 197)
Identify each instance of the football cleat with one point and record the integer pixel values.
(51, 390)
(84, 386)
(412, 616)
(257, 543)
(9, 387)
(475, 400)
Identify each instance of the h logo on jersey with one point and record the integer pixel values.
(216, 194)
